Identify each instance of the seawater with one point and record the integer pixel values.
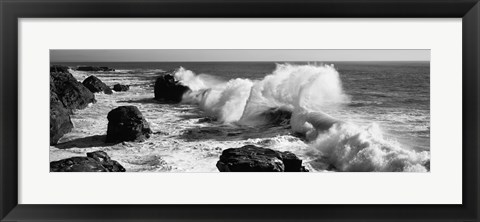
(384, 108)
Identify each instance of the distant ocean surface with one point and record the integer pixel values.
(389, 101)
(396, 95)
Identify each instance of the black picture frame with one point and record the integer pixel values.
(12, 10)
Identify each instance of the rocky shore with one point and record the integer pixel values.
(128, 125)
(252, 158)
(66, 96)
(97, 161)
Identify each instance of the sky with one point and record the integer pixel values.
(219, 55)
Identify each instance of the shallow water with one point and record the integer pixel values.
(182, 141)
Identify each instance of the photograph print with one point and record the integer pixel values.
(239, 110)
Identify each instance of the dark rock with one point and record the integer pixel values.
(96, 85)
(126, 123)
(167, 88)
(97, 161)
(66, 95)
(277, 116)
(77, 164)
(119, 87)
(105, 69)
(291, 161)
(60, 122)
(251, 158)
(70, 92)
(94, 68)
(207, 120)
(427, 165)
(59, 68)
(109, 164)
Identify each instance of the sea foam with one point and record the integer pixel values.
(304, 91)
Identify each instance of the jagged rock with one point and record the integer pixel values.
(59, 68)
(119, 87)
(66, 95)
(96, 85)
(109, 164)
(97, 161)
(70, 92)
(251, 158)
(94, 68)
(167, 88)
(126, 123)
(60, 122)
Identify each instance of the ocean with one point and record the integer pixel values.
(383, 108)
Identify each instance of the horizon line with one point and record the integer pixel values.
(246, 61)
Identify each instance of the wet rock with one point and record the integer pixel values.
(292, 162)
(251, 158)
(97, 161)
(95, 69)
(104, 159)
(168, 89)
(96, 85)
(277, 116)
(77, 164)
(69, 91)
(66, 95)
(126, 123)
(60, 122)
(106, 69)
(119, 87)
(206, 120)
(59, 68)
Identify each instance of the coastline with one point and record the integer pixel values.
(190, 136)
(170, 148)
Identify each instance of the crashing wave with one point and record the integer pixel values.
(353, 148)
(298, 94)
(289, 88)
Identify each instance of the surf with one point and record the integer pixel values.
(297, 95)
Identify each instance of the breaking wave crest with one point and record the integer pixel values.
(293, 88)
(300, 93)
(353, 148)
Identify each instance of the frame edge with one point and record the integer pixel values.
(10, 210)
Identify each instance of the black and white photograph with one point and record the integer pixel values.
(239, 110)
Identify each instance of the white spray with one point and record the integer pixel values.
(303, 90)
